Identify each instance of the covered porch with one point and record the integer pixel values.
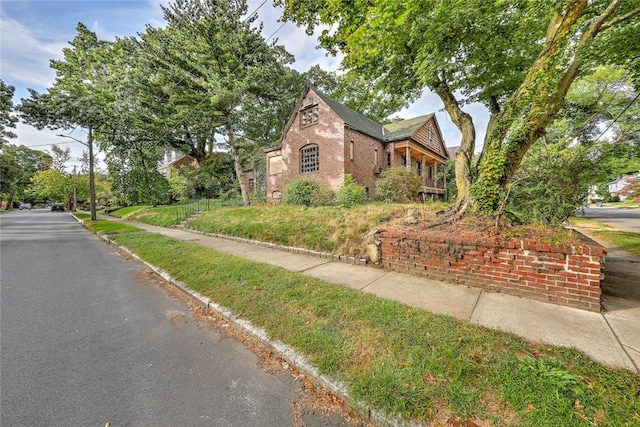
(429, 166)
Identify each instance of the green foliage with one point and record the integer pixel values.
(351, 193)
(451, 190)
(9, 174)
(301, 192)
(552, 182)
(519, 61)
(323, 197)
(398, 185)
(7, 119)
(18, 164)
(53, 185)
(179, 187)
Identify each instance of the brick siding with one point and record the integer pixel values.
(560, 274)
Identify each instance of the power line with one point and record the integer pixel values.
(618, 116)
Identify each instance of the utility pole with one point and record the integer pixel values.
(73, 208)
(92, 187)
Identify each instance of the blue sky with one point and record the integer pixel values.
(35, 31)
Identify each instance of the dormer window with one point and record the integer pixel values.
(309, 116)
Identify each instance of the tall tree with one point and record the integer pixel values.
(7, 118)
(519, 58)
(214, 65)
(18, 165)
(78, 96)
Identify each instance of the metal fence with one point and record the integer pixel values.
(192, 207)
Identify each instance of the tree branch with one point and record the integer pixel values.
(620, 19)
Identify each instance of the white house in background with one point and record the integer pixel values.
(616, 186)
(173, 160)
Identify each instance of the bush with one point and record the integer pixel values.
(302, 192)
(351, 193)
(398, 185)
(323, 197)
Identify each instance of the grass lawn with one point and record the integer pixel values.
(125, 213)
(104, 226)
(626, 240)
(402, 360)
(328, 229)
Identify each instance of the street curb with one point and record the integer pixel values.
(284, 351)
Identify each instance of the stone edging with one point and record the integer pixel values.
(284, 351)
(292, 249)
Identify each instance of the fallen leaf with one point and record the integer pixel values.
(428, 378)
(404, 364)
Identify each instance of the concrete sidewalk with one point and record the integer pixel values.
(612, 337)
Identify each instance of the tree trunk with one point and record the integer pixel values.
(534, 105)
(237, 164)
(464, 155)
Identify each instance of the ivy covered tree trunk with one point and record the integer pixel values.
(533, 106)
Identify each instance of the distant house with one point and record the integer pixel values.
(173, 160)
(324, 140)
(621, 187)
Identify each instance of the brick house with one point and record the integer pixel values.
(324, 140)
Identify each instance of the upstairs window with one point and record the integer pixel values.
(309, 116)
(309, 158)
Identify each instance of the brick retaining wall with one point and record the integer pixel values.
(561, 274)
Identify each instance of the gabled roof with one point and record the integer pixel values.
(353, 119)
(392, 132)
(404, 128)
(396, 131)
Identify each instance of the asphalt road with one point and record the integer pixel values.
(624, 219)
(86, 338)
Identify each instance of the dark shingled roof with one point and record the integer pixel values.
(392, 132)
(353, 119)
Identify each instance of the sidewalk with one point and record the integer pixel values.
(612, 337)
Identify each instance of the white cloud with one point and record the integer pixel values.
(25, 59)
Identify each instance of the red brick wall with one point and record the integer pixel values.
(328, 134)
(560, 274)
(363, 163)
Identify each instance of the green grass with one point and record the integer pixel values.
(127, 212)
(626, 240)
(402, 360)
(104, 226)
(328, 229)
(162, 216)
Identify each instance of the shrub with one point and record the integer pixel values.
(306, 192)
(323, 197)
(351, 193)
(398, 185)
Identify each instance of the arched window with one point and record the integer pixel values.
(309, 158)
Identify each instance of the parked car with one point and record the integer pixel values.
(25, 206)
(58, 207)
